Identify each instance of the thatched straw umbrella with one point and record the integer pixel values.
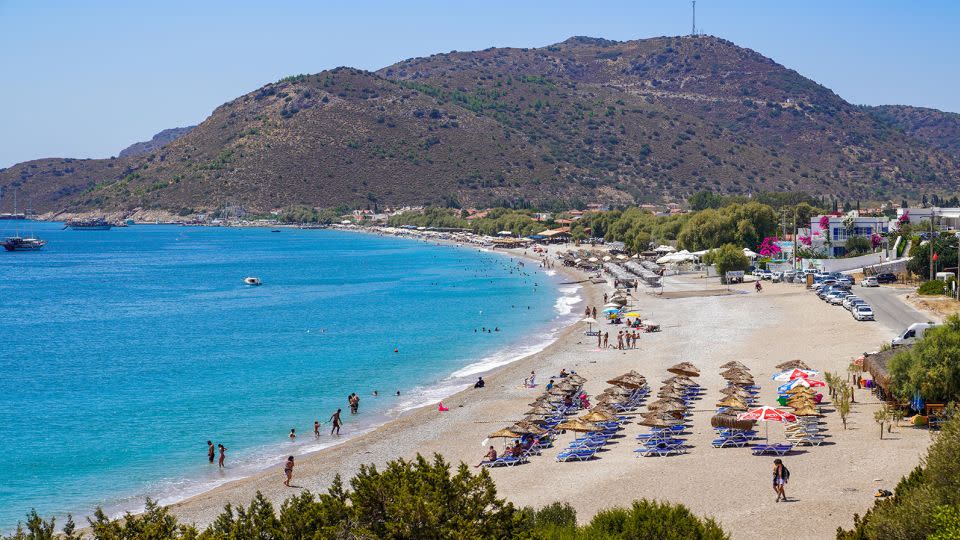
(685, 368)
(680, 379)
(732, 402)
(664, 403)
(807, 410)
(542, 411)
(596, 415)
(578, 425)
(735, 372)
(523, 427)
(575, 379)
(734, 391)
(730, 421)
(793, 364)
(626, 382)
(505, 433)
(734, 364)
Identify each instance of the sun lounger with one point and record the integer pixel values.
(576, 455)
(662, 450)
(669, 441)
(737, 441)
(778, 449)
(505, 461)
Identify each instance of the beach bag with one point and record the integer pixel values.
(786, 473)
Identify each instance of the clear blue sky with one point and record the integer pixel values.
(87, 78)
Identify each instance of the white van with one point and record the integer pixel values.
(913, 332)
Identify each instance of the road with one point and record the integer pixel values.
(888, 308)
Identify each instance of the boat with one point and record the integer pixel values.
(18, 243)
(275, 230)
(252, 281)
(92, 224)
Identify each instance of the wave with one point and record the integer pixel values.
(568, 299)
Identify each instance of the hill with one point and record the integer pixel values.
(583, 120)
(939, 129)
(158, 141)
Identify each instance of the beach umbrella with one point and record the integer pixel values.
(610, 398)
(611, 311)
(658, 422)
(732, 402)
(793, 364)
(612, 305)
(575, 379)
(734, 390)
(795, 373)
(505, 433)
(667, 404)
(796, 383)
(578, 425)
(734, 364)
(670, 416)
(734, 372)
(685, 369)
(542, 410)
(625, 383)
(679, 379)
(590, 322)
(800, 390)
(598, 416)
(730, 421)
(632, 314)
(767, 414)
(807, 410)
(528, 428)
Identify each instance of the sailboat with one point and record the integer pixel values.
(20, 243)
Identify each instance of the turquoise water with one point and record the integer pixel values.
(124, 351)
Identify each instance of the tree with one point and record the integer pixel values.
(643, 519)
(843, 406)
(880, 416)
(944, 246)
(858, 245)
(930, 366)
(727, 258)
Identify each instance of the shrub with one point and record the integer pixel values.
(934, 286)
(727, 257)
(930, 365)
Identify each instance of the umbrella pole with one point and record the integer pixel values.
(767, 426)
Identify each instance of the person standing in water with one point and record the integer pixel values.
(335, 421)
(288, 471)
(211, 451)
(293, 433)
(223, 455)
(316, 428)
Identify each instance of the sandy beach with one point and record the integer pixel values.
(829, 484)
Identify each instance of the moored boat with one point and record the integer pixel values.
(252, 281)
(18, 243)
(92, 224)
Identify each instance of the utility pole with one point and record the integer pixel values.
(930, 250)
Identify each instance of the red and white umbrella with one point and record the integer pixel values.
(806, 383)
(792, 374)
(768, 414)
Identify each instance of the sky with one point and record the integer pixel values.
(88, 78)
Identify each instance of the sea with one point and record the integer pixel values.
(123, 352)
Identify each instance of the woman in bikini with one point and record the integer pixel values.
(223, 454)
(288, 471)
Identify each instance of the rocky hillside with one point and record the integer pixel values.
(583, 120)
(939, 129)
(158, 141)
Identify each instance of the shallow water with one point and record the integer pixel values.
(124, 351)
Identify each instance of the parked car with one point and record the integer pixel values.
(777, 277)
(858, 302)
(846, 280)
(836, 298)
(766, 274)
(870, 282)
(863, 313)
(850, 299)
(886, 278)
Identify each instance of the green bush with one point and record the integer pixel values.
(727, 257)
(934, 286)
(930, 366)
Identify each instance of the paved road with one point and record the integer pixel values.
(888, 308)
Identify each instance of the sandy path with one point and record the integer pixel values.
(829, 484)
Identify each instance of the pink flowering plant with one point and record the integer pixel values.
(824, 223)
(876, 240)
(805, 240)
(905, 218)
(769, 248)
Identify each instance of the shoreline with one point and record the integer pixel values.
(201, 509)
(447, 385)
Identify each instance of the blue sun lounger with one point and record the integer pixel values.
(662, 450)
(576, 454)
(778, 449)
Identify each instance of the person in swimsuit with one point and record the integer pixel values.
(293, 433)
(335, 421)
(780, 477)
(223, 455)
(316, 428)
(211, 451)
(288, 471)
(490, 456)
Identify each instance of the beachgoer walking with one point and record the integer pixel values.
(759, 287)
(211, 451)
(335, 422)
(594, 312)
(586, 312)
(599, 338)
(620, 340)
(604, 298)
(288, 471)
(223, 455)
(316, 429)
(780, 477)
(606, 340)
(293, 433)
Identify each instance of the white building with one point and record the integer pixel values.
(943, 218)
(843, 227)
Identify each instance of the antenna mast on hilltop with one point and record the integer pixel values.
(693, 28)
